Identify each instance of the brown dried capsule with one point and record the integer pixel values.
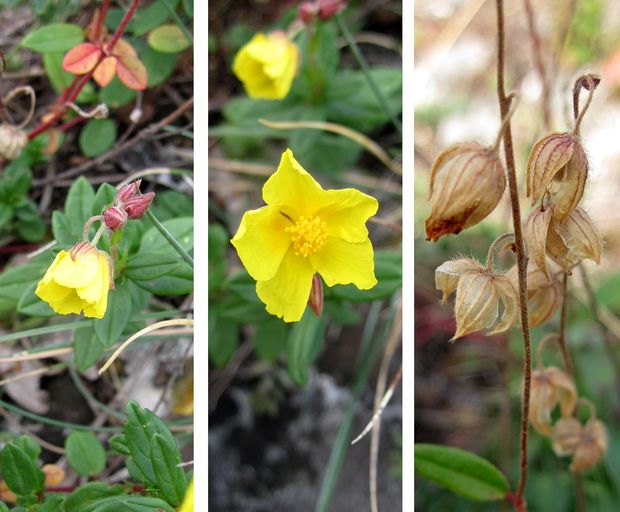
(12, 141)
(479, 294)
(467, 182)
(544, 296)
(550, 387)
(587, 444)
(536, 232)
(558, 165)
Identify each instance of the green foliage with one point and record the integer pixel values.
(85, 453)
(97, 136)
(60, 37)
(168, 39)
(462, 472)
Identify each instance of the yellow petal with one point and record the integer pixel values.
(346, 217)
(188, 499)
(61, 299)
(287, 293)
(340, 262)
(97, 294)
(50, 271)
(261, 241)
(292, 190)
(78, 272)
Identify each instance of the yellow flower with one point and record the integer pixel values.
(267, 65)
(77, 280)
(302, 230)
(188, 500)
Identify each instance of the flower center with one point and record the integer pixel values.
(308, 235)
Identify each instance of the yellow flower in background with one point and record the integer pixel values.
(267, 65)
(302, 230)
(77, 281)
(188, 500)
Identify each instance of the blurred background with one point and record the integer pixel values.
(467, 394)
(281, 421)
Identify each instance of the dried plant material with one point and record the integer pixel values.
(479, 294)
(587, 444)
(558, 251)
(544, 296)
(467, 182)
(13, 140)
(557, 165)
(581, 235)
(550, 387)
(54, 475)
(536, 232)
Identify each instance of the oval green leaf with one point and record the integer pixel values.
(85, 453)
(168, 39)
(58, 37)
(461, 472)
(97, 137)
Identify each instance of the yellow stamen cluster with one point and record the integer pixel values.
(308, 235)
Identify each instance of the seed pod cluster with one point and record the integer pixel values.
(550, 387)
(467, 182)
(587, 444)
(479, 294)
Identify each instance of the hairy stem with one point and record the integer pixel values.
(504, 106)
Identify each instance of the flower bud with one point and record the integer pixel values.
(12, 141)
(479, 293)
(544, 296)
(467, 182)
(315, 301)
(54, 475)
(558, 165)
(328, 8)
(128, 191)
(550, 387)
(307, 12)
(137, 206)
(115, 218)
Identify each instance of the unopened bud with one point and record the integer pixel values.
(54, 475)
(137, 206)
(315, 301)
(557, 165)
(12, 141)
(307, 12)
(128, 191)
(467, 182)
(328, 8)
(115, 218)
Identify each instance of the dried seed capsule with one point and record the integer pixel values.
(467, 182)
(12, 141)
(536, 233)
(544, 296)
(565, 437)
(550, 387)
(479, 293)
(558, 165)
(592, 446)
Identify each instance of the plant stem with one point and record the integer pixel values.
(366, 70)
(504, 105)
(177, 19)
(171, 240)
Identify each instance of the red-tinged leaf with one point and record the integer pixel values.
(122, 48)
(81, 59)
(132, 72)
(105, 71)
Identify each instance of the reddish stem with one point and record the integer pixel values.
(71, 93)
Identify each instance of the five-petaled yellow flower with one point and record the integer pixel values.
(267, 65)
(302, 230)
(77, 281)
(188, 500)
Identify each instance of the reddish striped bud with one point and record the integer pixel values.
(137, 206)
(114, 218)
(315, 301)
(128, 191)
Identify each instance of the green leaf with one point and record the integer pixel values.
(182, 229)
(223, 338)
(177, 281)
(140, 427)
(59, 37)
(85, 453)
(97, 137)
(30, 226)
(151, 17)
(30, 304)
(461, 472)
(109, 328)
(118, 443)
(388, 270)
(29, 445)
(171, 204)
(14, 280)
(78, 209)
(89, 495)
(188, 7)
(130, 504)
(20, 472)
(53, 503)
(270, 339)
(146, 266)
(104, 197)
(218, 243)
(168, 39)
(171, 480)
(304, 345)
(87, 349)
